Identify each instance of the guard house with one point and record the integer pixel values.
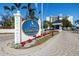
(57, 25)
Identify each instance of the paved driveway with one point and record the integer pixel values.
(63, 44)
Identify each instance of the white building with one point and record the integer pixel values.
(52, 18)
(47, 18)
(58, 20)
(70, 18)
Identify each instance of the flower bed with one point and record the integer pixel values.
(37, 40)
(44, 38)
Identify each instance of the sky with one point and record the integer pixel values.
(54, 9)
(49, 9)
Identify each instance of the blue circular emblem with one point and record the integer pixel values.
(30, 27)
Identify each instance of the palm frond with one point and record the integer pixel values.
(12, 8)
(39, 12)
(33, 9)
(17, 5)
(29, 5)
(6, 8)
(24, 7)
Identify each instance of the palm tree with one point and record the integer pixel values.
(9, 8)
(31, 11)
(18, 5)
(11, 20)
(45, 26)
(48, 24)
(66, 23)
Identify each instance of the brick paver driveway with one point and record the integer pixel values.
(65, 43)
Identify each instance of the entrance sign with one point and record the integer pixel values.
(30, 27)
(26, 29)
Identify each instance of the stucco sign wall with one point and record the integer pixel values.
(26, 29)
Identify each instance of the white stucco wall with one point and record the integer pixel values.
(7, 30)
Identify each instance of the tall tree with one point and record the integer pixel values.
(18, 6)
(48, 24)
(66, 23)
(11, 20)
(31, 11)
(45, 25)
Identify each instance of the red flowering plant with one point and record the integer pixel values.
(44, 34)
(23, 43)
(39, 36)
(30, 40)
